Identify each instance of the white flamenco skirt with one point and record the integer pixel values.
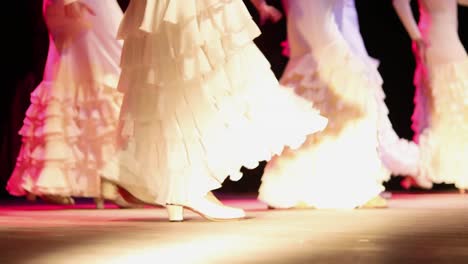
(69, 128)
(399, 156)
(201, 100)
(340, 166)
(441, 114)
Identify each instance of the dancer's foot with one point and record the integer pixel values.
(206, 208)
(376, 202)
(31, 197)
(420, 182)
(58, 199)
(303, 205)
(110, 192)
(298, 205)
(272, 207)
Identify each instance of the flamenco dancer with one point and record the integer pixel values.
(200, 102)
(399, 156)
(440, 118)
(340, 166)
(69, 130)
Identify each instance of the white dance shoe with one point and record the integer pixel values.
(52, 199)
(110, 192)
(207, 208)
(420, 182)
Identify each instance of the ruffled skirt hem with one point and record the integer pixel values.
(340, 166)
(444, 139)
(67, 137)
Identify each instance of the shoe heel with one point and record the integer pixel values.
(175, 212)
(31, 197)
(99, 203)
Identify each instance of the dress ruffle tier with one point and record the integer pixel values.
(441, 117)
(66, 138)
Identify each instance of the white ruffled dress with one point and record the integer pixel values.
(400, 156)
(68, 133)
(440, 121)
(339, 167)
(440, 118)
(200, 100)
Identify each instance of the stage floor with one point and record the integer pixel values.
(417, 228)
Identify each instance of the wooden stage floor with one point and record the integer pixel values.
(417, 228)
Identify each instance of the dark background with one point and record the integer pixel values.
(25, 43)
